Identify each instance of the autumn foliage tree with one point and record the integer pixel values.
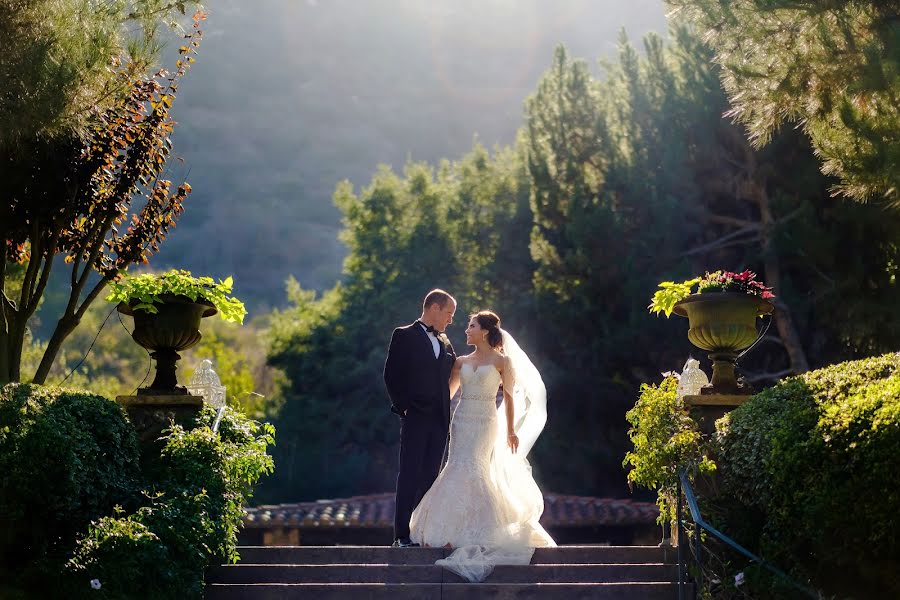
(72, 193)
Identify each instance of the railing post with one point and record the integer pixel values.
(666, 539)
(680, 539)
(699, 555)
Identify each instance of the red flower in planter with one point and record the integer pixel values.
(727, 281)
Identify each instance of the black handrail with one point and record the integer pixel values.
(684, 485)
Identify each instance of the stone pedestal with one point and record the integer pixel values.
(150, 414)
(708, 408)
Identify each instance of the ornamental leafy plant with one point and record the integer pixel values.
(666, 439)
(670, 293)
(66, 456)
(146, 291)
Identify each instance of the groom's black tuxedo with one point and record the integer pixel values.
(417, 381)
(418, 385)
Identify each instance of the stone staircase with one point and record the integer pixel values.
(376, 573)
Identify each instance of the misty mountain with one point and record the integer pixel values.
(288, 98)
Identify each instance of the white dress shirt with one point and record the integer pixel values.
(434, 341)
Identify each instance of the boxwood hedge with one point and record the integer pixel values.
(811, 469)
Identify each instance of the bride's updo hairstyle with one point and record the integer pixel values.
(490, 322)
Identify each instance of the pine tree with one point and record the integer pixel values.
(832, 68)
(61, 60)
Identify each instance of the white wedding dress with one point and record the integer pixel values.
(485, 502)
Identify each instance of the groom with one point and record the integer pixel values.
(417, 375)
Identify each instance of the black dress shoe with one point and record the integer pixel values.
(404, 543)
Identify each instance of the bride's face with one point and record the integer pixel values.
(474, 332)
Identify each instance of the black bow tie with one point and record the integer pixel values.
(429, 329)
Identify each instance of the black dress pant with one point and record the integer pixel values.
(423, 439)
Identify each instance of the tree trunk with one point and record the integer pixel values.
(783, 320)
(747, 183)
(64, 327)
(16, 341)
(6, 311)
(5, 374)
(12, 338)
(67, 324)
(788, 332)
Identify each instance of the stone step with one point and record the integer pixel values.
(306, 555)
(445, 591)
(383, 573)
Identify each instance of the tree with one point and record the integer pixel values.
(636, 178)
(62, 59)
(610, 190)
(833, 68)
(68, 192)
(616, 183)
(462, 226)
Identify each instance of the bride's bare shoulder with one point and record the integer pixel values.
(465, 358)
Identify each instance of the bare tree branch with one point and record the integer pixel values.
(724, 241)
(732, 221)
(74, 296)
(33, 264)
(42, 284)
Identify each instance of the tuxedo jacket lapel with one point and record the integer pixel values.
(423, 335)
(427, 338)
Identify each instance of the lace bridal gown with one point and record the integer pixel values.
(485, 503)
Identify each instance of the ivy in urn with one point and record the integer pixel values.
(167, 309)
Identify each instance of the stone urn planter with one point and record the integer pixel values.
(723, 324)
(175, 327)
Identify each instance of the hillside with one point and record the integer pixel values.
(288, 98)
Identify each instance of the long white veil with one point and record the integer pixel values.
(513, 471)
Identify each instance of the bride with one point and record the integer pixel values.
(485, 504)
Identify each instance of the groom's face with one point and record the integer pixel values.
(444, 316)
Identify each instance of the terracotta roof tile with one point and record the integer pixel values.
(377, 510)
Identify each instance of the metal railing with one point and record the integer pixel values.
(218, 420)
(686, 491)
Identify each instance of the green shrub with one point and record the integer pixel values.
(190, 515)
(66, 457)
(125, 557)
(665, 440)
(75, 506)
(815, 460)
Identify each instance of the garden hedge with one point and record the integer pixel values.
(78, 509)
(65, 457)
(812, 466)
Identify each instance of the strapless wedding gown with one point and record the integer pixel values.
(484, 503)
